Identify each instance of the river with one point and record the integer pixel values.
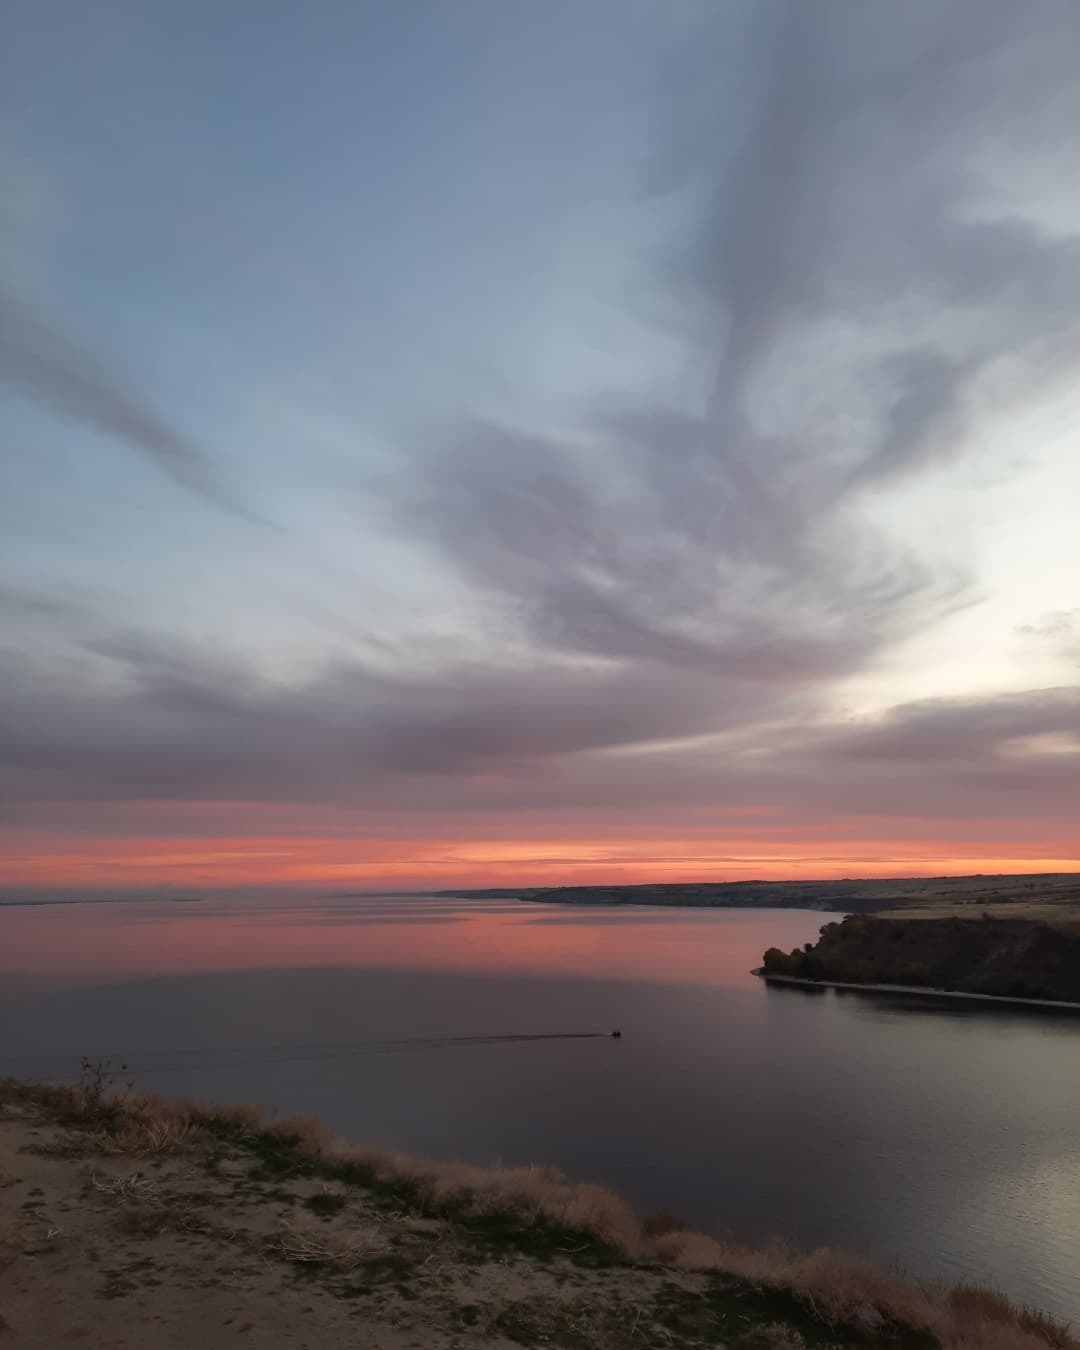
(941, 1137)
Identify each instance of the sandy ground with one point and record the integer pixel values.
(119, 1253)
(78, 1267)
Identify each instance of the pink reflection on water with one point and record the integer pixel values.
(92, 943)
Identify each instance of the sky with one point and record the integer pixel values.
(500, 442)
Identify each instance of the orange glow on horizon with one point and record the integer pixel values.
(35, 860)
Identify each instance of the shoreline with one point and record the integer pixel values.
(1059, 1005)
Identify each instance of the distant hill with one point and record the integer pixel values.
(848, 895)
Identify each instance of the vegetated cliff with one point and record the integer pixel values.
(1013, 958)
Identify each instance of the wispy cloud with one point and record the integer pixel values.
(666, 586)
(41, 361)
(861, 298)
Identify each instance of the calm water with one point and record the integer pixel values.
(944, 1138)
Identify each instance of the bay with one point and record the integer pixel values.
(944, 1138)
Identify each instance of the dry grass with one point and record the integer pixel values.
(135, 1187)
(528, 1193)
(846, 1289)
(991, 1308)
(659, 1223)
(837, 1288)
(311, 1246)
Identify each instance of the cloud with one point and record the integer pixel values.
(863, 300)
(1059, 623)
(160, 724)
(937, 731)
(39, 361)
(21, 603)
(1059, 630)
(606, 565)
(674, 582)
(157, 720)
(864, 240)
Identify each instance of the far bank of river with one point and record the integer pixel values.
(1023, 960)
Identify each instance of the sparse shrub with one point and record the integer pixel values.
(98, 1088)
(311, 1246)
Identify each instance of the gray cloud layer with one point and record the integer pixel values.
(170, 726)
(856, 299)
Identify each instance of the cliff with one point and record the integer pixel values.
(1011, 958)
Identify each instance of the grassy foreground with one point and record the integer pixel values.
(135, 1221)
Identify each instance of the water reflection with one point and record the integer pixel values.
(64, 943)
(940, 1135)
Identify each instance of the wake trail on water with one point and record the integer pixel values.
(235, 1057)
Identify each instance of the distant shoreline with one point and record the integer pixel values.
(838, 895)
(104, 900)
(846, 895)
(919, 991)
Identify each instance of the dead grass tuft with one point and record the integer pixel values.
(135, 1187)
(143, 1130)
(311, 1246)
